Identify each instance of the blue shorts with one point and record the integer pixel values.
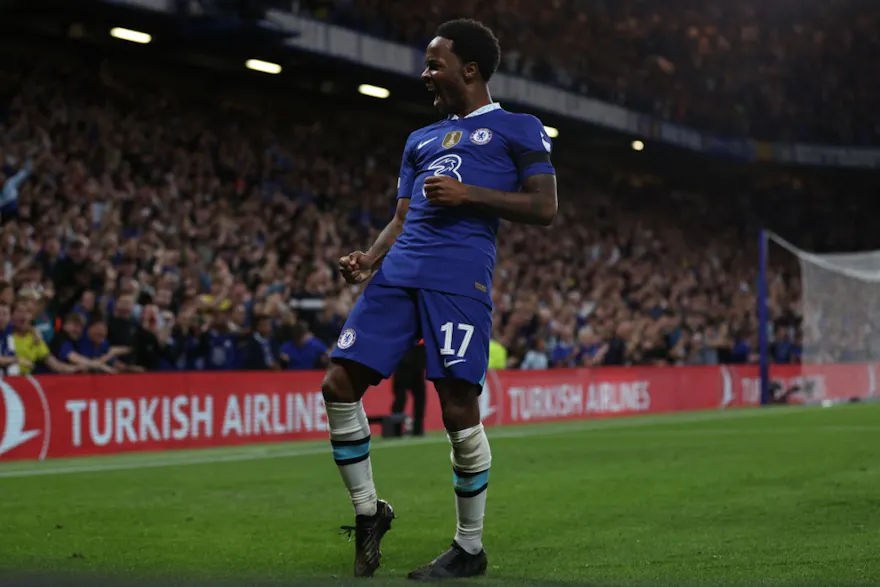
(386, 322)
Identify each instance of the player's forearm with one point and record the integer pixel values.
(526, 207)
(385, 240)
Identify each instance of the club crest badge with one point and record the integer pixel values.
(347, 338)
(481, 136)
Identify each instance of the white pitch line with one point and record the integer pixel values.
(502, 433)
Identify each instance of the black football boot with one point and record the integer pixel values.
(455, 563)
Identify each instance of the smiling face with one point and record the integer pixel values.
(446, 76)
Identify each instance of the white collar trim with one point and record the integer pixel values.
(479, 111)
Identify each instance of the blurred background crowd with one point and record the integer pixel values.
(154, 221)
(781, 70)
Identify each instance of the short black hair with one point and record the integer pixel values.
(74, 318)
(473, 42)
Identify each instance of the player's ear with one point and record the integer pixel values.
(471, 72)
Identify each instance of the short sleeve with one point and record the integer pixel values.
(407, 173)
(530, 147)
(41, 351)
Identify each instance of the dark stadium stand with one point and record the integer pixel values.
(766, 70)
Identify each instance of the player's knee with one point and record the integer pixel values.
(347, 381)
(459, 402)
(336, 386)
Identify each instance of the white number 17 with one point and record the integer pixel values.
(447, 349)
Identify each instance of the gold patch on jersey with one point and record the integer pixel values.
(451, 139)
(480, 287)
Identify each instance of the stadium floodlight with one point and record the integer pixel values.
(130, 35)
(638, 146)
(373, 91)
(263, 66)
(551, 131)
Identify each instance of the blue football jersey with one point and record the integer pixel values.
(452, 249)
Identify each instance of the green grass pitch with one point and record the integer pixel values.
(776, 497)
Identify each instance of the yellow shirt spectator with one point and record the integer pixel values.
(222, 304)
(497, 355)
(31, 348)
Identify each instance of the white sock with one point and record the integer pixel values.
(471, 459)
(350, 438)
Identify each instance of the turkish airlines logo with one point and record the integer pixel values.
(487, 406)
(24, 417)
(727, 395)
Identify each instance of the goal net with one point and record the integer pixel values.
(840, 323)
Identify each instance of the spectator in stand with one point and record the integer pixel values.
(303, 350)
(329, 324)
(37, 302)
(745, 349)
(71, 275)
(565, 351)
(259, 352)
(684, 348)
(71, 347)
(186, 343)
(122, 331)
(497, 352)
(31, 350)
(86, 306)
(10, 364)
(220, 342)
(591, 350)
(49, 256)
(96, 349)
(536, 358)
(7, 293)
(11, 185)
(717, 344)
(781, 348)
(151, 347)
(164, 300)
(654, 349)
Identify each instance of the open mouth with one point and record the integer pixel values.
(436, 93)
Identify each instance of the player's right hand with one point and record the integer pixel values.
(356, 267)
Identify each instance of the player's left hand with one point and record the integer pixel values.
(444, 190)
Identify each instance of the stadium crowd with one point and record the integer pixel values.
(148, 226)
(766, 70)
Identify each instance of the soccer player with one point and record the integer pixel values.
(431, 271)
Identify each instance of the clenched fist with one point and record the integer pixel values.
(356, 267)
(444, 190)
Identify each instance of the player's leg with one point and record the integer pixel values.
(419, 392)
(456, 331)
(344, 384)
(399, 387)
(378, 331)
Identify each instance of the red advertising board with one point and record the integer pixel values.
(78, 415)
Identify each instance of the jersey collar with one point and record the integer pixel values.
(479, 111)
